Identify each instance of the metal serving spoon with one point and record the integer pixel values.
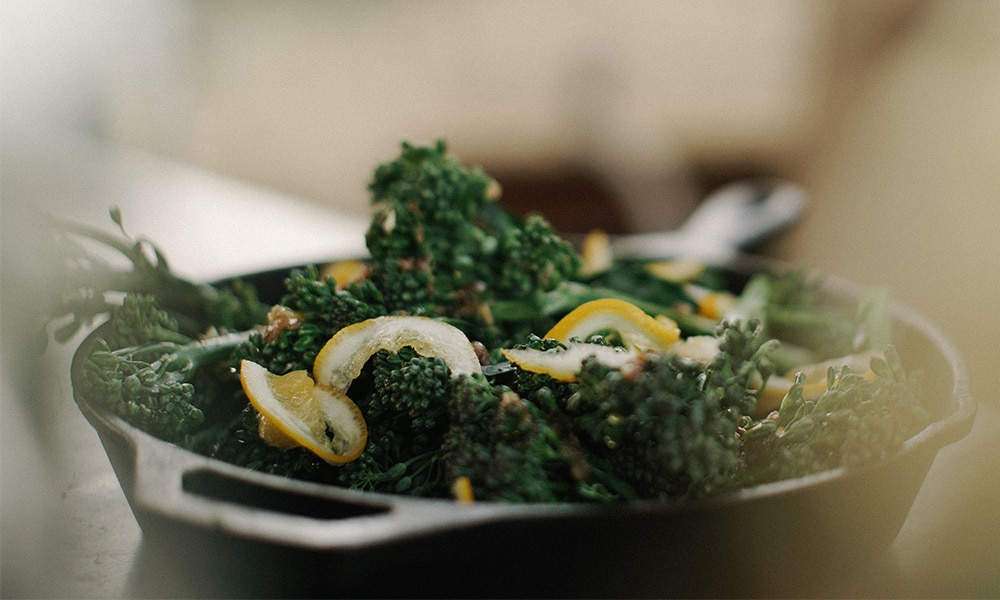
(725, 223)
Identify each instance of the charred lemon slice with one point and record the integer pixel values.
(295, 411)
(636, 328)
(342, 358)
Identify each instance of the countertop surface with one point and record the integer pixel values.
(68, 530)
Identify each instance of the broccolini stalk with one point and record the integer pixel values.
(150, 386)
(858, 420)
(547, 306)
(92, 284)
(791, 308)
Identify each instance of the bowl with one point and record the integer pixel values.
(231, 531)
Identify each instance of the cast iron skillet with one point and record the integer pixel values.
(235, 532)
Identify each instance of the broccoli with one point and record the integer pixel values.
(406, 410)
(440, 244)
(311, 311)
(663, 427)
(146, 365)
(667, 425)
(140, 320)
(856, 421)
(92, 284)
(151, 385)
(143, 369)
(508, 448)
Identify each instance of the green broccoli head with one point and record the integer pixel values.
(424, 243)
(533, 258)
(656, 427)
(140, 390)
(668, 425)
(508, 448)
(411, 387)
(139, 320)
(858, 420)
(312, 310)
(404, 397)
(152, 385)
(441, 245)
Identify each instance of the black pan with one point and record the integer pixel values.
(230, 531)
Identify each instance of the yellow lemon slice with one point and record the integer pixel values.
(295, 411)
(679, 270)
(637, 328)
(595, 253)
(342, 358)
(564, 365)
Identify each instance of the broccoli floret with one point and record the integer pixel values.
(411, 387)
(150, 385)
(139, 320)
(442, 246)
(856, 421)
(533, 258)
(509, 449)
(312, 310)
(667, 425)
(406, 411)
(424, 244)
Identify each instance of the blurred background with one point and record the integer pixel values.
(225, 115)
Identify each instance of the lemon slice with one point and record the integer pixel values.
(564, 365)
(295, 411)
(637, 328)
(679, 270)
(595, 253)
(341, 359)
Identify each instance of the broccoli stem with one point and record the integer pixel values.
(196, 305)
(189, 357)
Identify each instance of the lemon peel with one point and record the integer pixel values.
(637, 328)
(564, 365)
(343, 356)
(295, 411)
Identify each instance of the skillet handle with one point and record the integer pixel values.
(169, 487)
